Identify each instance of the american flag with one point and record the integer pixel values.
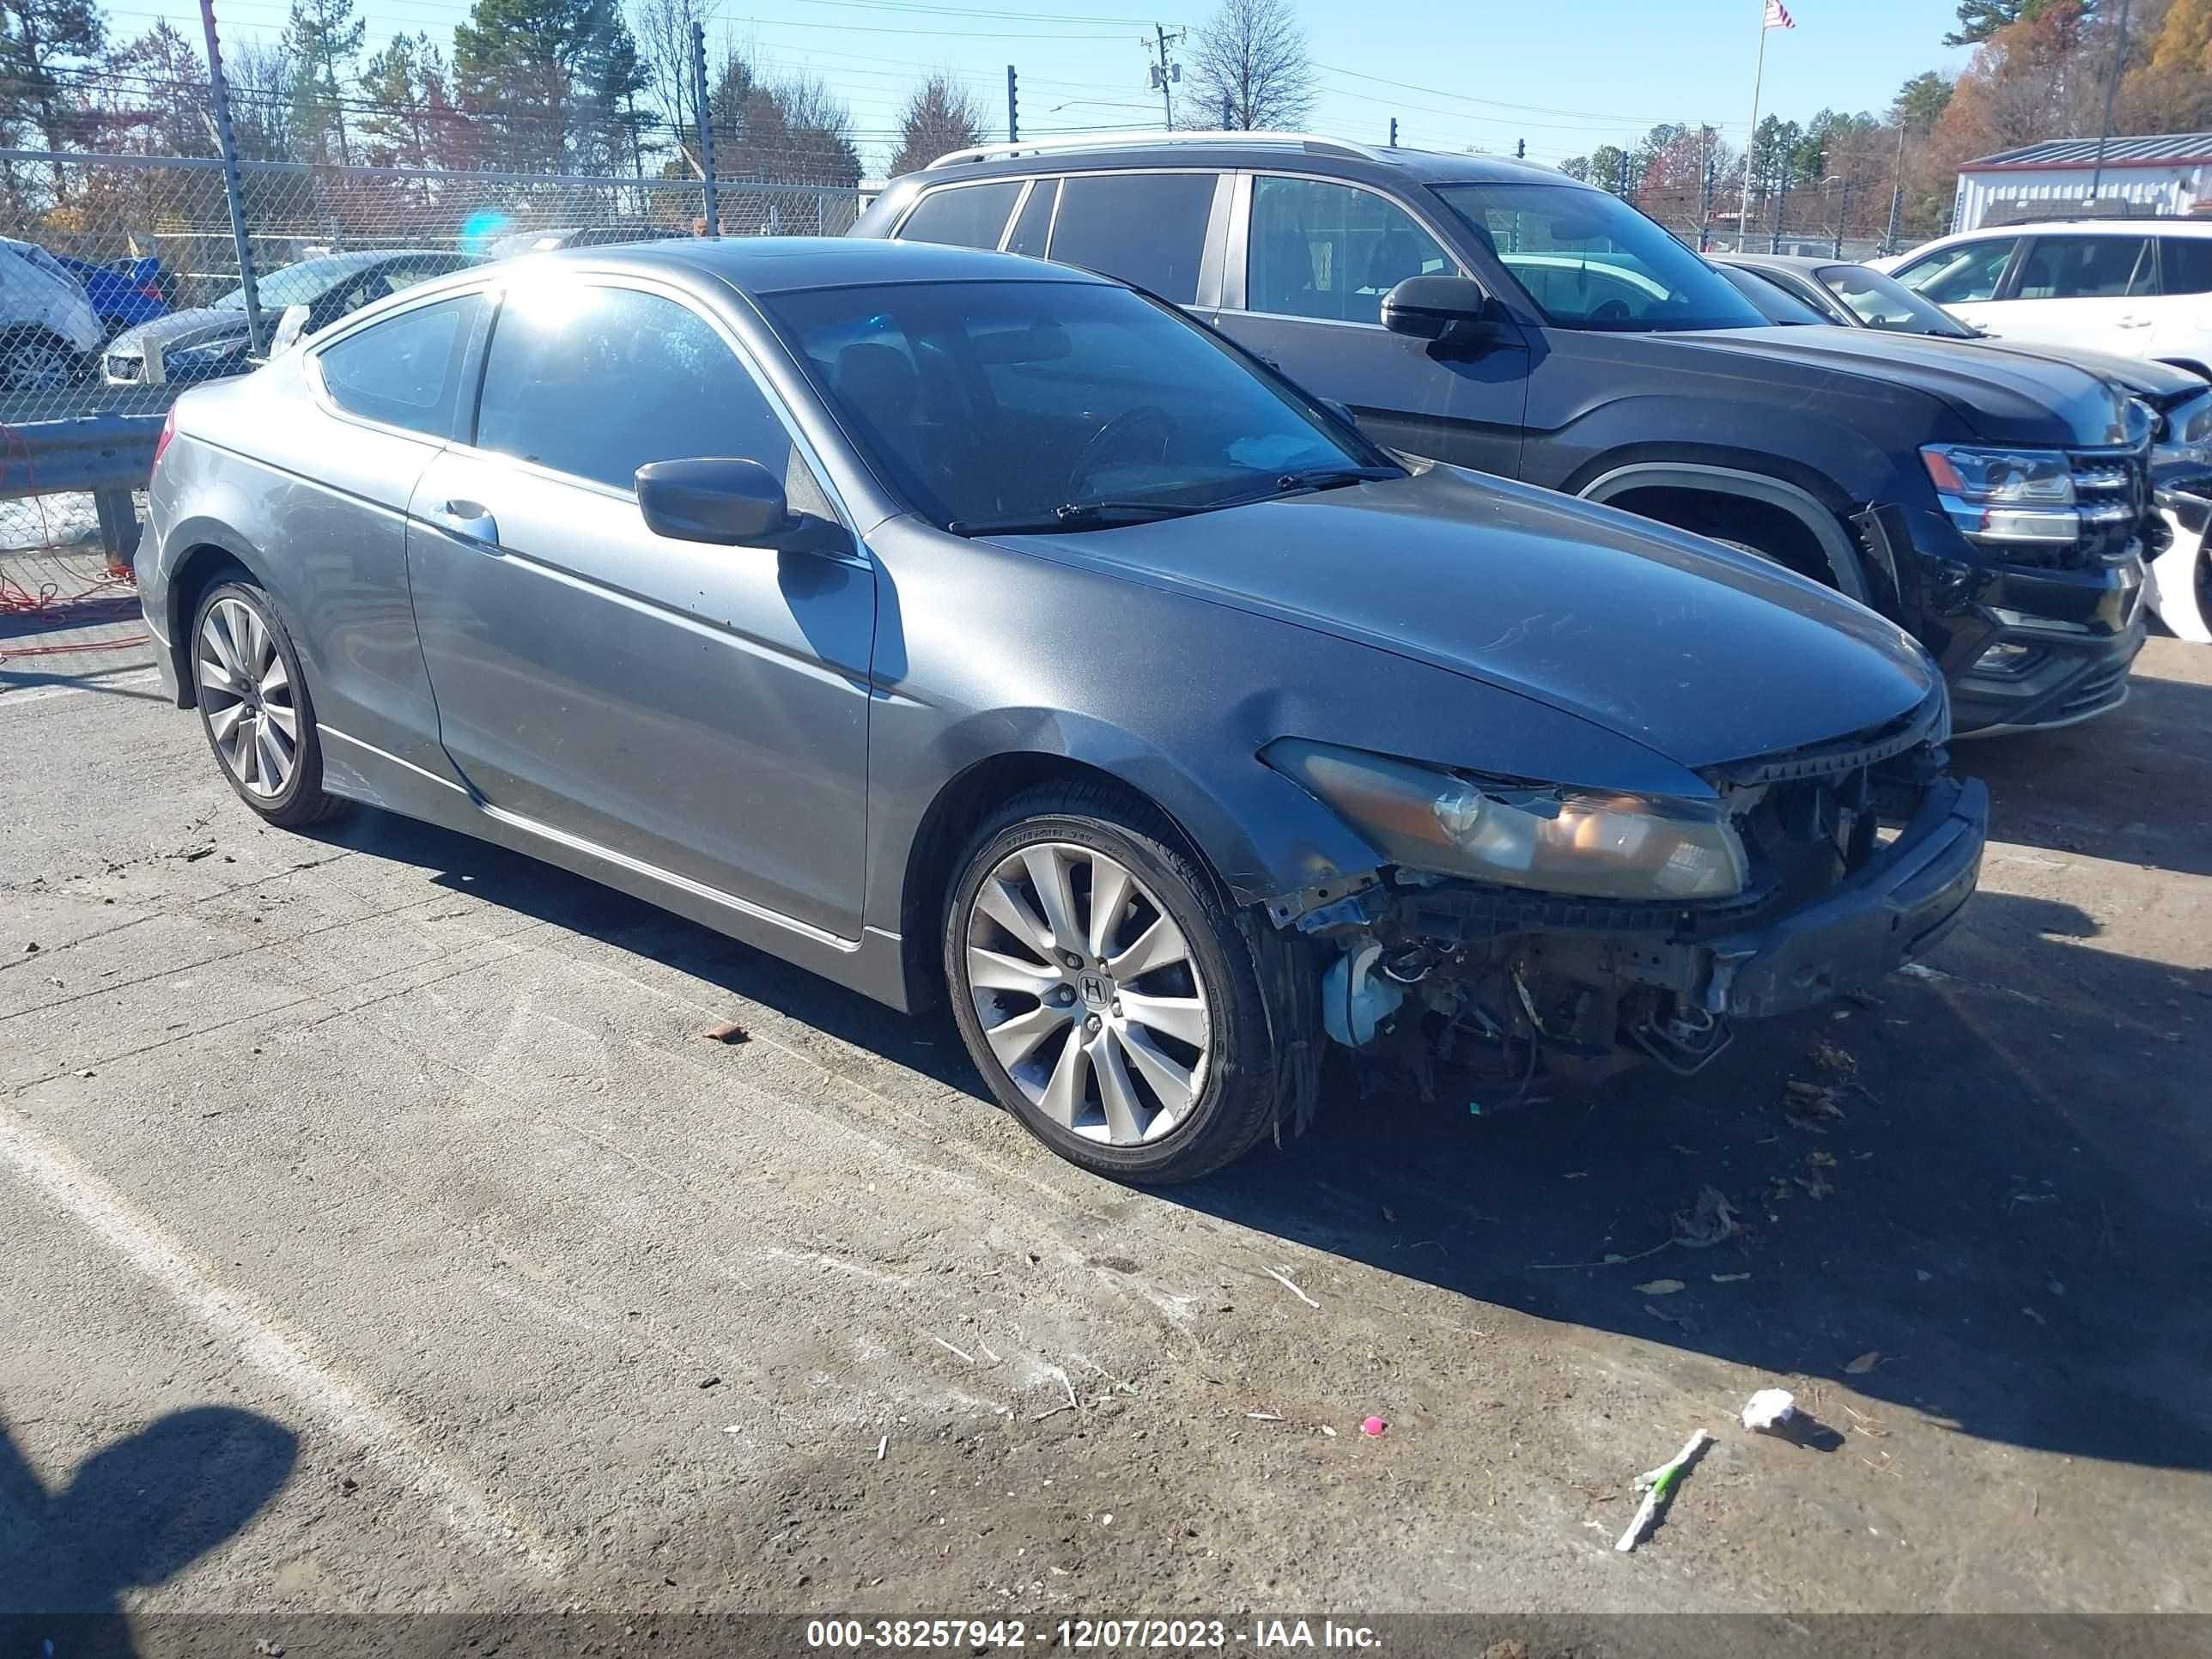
(1778, 15)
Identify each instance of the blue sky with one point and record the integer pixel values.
(1586, 72)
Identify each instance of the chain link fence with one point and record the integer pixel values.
(123, 284)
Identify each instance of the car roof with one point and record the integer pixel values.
(773, 265)
(1363, 161)
(2098, 226)
(1804, 264)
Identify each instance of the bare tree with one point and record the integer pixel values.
(940, 116)
(1251, 68)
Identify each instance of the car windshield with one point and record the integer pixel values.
(295, 285)
(1777, 307)
(1881, 301)
(1046, 405)
(1588, 260)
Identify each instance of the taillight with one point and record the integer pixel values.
(150, 289)
(168, 431)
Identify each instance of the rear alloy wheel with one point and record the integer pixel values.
(255, 709)
(1104, 992)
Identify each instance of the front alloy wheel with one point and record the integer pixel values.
(1086, 993)
(1103, 989)
(36, 361)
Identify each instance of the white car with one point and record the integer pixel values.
(2138, 287)
(49, 335)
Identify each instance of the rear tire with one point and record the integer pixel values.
(1132, 1037)
(255, 708)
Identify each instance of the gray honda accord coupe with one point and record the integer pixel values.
(965, 627)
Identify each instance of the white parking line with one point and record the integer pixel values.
(342, 1406)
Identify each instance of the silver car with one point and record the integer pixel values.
(958, 626)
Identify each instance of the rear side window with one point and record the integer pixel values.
(405, 371)
(1323, 250)
(1958, 275)
(2084, 268)
(2188, 264)
(1148, 229)
(597, 381)
(1034, 224)
(971, 216)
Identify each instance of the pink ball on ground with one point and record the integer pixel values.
(1372, 1427)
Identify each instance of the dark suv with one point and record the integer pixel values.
(1501, 317)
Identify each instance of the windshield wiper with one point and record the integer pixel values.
(1332, 478)
(1080, 515)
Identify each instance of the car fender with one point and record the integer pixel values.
(1818, 519)
(162, 593)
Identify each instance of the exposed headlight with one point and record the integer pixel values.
(1552, 840)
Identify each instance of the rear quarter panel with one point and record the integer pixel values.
(315, 507)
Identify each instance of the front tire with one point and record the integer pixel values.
(39, 360)
(1103, 989)
(255, 709)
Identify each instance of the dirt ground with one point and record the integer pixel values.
(383, 1236)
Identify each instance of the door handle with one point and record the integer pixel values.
(2133, 322)
(468, 521)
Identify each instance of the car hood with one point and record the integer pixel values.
(1700, 653)
(201, 326)
(2010, 396)
(2160, 384)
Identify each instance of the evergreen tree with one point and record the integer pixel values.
(324, 37)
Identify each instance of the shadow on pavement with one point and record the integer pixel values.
(2009, 1205)
(135, 1514)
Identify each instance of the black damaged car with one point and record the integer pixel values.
(1500, 316)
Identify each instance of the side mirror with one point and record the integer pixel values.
(730, 502)
(1440, 308)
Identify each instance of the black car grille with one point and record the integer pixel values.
(121, 367)
(2112, 492)
(2098, 692)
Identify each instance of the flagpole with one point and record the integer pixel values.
(1758, 75)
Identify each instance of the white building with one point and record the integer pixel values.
(2161, 176)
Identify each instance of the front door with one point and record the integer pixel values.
(700, 709)
(1317, 256)
(2098, 292)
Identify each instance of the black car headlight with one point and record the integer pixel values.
(1995, 494)
(1586, 842)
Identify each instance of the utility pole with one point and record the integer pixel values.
(1166, 71)
(1781, 207)
(713, 203)
(1751, 144)
(257, 336)
(1013, 111)
(1520, 150)
(1896, 194)
(2111, 86)
(1705, 188)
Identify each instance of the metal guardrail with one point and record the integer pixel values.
(106, 457)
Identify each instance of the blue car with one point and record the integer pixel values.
(123, 292)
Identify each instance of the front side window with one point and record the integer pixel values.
(1883, 302)
(2187, 265)
(1960, 275)
(596, 381)
(1056, 405)
(1148, 229)
(406, 370)
(1318, 249)
(1588, 260)
(966, 216)
(2084, 268)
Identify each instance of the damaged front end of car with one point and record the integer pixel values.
(1520, 928)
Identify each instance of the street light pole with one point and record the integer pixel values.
(2111, 86)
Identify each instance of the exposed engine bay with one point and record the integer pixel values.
(1855, 856)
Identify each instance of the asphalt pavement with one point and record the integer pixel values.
(385, 1236)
